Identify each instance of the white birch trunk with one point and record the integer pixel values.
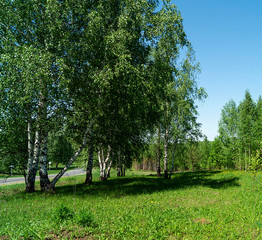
(43, 162)
(103, 162)
(173, 160)
(30, 147)
(33, 161)
(43, 165)
(119, 164)
(245, 159)
(89, 167)
(108, 169)
(72, 159)
(165, 151)
(158, 169)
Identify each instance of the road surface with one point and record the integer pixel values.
(75, 172)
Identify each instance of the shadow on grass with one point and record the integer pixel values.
(118, 187)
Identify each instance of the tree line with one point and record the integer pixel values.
(237, 146)
(99, 76)
(239, 140)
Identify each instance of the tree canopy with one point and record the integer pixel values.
(104, 73)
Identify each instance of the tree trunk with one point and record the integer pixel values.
(108, 169)
(89, 167)
(33, 162)
(72, 159)
(249, 152)
(245, 159)
(158, 169)
(239, 158)
(103, 162)
(43, 165)
(28, 179)
(123, 170)
(165, 158)
(119, 165)
(173, 160)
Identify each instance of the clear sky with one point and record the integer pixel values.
(227, 38)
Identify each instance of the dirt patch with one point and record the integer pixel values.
(4, 237)
(202, 221)
(68, 235)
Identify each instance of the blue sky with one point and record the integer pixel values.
(227, 38)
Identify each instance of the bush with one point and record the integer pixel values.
(84, 218)
(62, 213)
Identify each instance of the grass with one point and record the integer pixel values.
(192, 205)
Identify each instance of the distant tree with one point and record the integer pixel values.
(258, 124)
(247, 118)
(228, 131)
(217, 157)
(183, 125)
(205, 149)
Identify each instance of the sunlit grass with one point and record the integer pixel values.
(200, 205)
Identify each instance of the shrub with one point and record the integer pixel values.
(84, 218)
(62, 213)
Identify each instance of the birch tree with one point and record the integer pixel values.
(106, 65)
(104, 162)
(30, 71)
(247, 117)
(228, 131)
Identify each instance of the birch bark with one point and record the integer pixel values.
(32, 168)
(108, 169)
(166, 149)
(43, 165)
(33, 162)
(72, 159)
(158, 169)
(103, 162)
(29, 181)
(43, 161)
(119, 164)
(173, 160)
(89, 167)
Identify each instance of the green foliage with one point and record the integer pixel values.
(111, 63)
(13, 142)
(256, 161)
(84, 217)
(239, 133)
(217, 155)
(60, 149)
(62, 213)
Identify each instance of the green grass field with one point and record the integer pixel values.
(192, 205)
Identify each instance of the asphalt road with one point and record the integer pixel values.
(75, 172)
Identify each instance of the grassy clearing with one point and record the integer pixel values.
(199, 205)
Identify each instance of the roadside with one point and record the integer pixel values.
(15, 180)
